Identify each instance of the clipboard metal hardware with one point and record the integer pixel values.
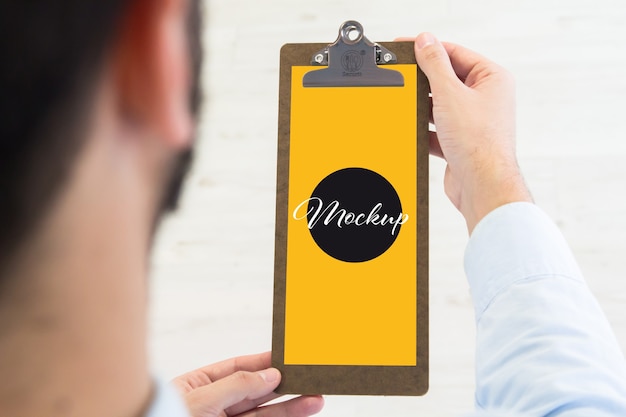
(383, 56)
(353, 61)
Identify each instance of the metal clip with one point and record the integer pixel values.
(353, 61)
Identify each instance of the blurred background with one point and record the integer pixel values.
(213, 260)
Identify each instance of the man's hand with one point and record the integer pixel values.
(474, 114)
(239, 387)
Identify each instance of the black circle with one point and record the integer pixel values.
(355, 215)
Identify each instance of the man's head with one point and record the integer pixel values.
(55, 54)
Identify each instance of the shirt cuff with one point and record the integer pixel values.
(515, 242)
(167, 402)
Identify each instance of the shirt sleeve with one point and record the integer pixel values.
(166, 402)
(544, 346)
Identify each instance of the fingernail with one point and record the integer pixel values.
(270, 375)
(424, 40)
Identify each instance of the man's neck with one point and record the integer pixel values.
(73, 312)
(72, 337)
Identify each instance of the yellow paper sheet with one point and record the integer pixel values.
(351, 313)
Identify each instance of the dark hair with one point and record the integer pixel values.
(51, 52)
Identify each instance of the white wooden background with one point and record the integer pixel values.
(213, 260)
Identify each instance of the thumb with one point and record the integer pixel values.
(433, 59)
(213, 399)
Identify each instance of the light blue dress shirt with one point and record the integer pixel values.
(544, 347)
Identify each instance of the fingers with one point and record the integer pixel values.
(239, 388)
(434, 56)
(250, 363)
(445, 61)
(251, 404)
(297, 407)
(211, 373)
(433, 59)
(465, 61)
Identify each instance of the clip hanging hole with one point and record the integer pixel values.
(352, 32)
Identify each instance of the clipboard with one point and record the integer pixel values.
(351, 256)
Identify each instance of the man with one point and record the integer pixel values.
(97, 109)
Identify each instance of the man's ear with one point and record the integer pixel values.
(152, 67)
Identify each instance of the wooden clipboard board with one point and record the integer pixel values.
(351, 260)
